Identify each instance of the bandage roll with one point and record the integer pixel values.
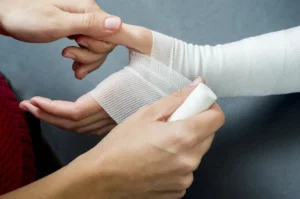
(198, 101)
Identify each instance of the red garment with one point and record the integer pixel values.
(17, 163)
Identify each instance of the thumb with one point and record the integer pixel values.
(96, 25)
(162, 109)
(133, 37)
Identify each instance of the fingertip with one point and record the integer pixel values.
(38, 101)
(202, 80)
(22, 106)
(75, 66)
(78, 75)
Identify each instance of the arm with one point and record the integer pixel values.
(262, 65)
(256, 66)
(156, 159)
(73, 181)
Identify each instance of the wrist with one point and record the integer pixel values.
(90, 177)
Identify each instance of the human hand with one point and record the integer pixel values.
(47, 21)
(84, 115)
(146, 157)
(94, 53)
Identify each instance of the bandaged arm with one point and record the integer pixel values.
(256, 66)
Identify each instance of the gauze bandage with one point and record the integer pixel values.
(198, 101)
(257, 66)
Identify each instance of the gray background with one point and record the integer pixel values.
(255, 155)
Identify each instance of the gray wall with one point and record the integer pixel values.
(255, 155)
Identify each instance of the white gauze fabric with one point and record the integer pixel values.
(263, 65)
(142, 82)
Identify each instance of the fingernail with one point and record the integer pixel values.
(112, 23)
(196, 82)
(83, 43)
(69, 55)
(24, 108)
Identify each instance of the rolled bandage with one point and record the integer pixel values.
(198, 101)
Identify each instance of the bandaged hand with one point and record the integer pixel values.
(93, 53)
(84, 115)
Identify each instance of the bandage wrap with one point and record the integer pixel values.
(264, 65)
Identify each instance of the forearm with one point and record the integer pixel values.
(257, 66)
(262, 65)
(68, 183)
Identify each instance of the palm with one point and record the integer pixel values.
(83, 116)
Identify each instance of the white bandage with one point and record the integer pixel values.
(263, 65)
(198, 101)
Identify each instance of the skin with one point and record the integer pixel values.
(158, 158)
(85, 115)
(48, 21)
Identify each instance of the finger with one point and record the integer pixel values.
(133, 37)
(74, 111)
(167, 195)
(82, 70)
(162, 109)
(95, 24)
(81, 55)
(104, 130)
(207, 122)
(73, 37)
(42, 115)
(95, 46)
(196, 154)
(100, 119)
(98, 124)
(76, 65)
(3, 32)
(175, 184)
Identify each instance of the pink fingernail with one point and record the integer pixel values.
(69, 55)
(112, 23)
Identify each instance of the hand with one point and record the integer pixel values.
(47, 21)
(83, 116)
(145, 157)
(89, 56)
(135, 38)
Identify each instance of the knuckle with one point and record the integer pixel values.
(90, 20)
(145, 110)
(189, 165)
(186, 137)
(186, 140)
(178, 94)
(186, 181)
